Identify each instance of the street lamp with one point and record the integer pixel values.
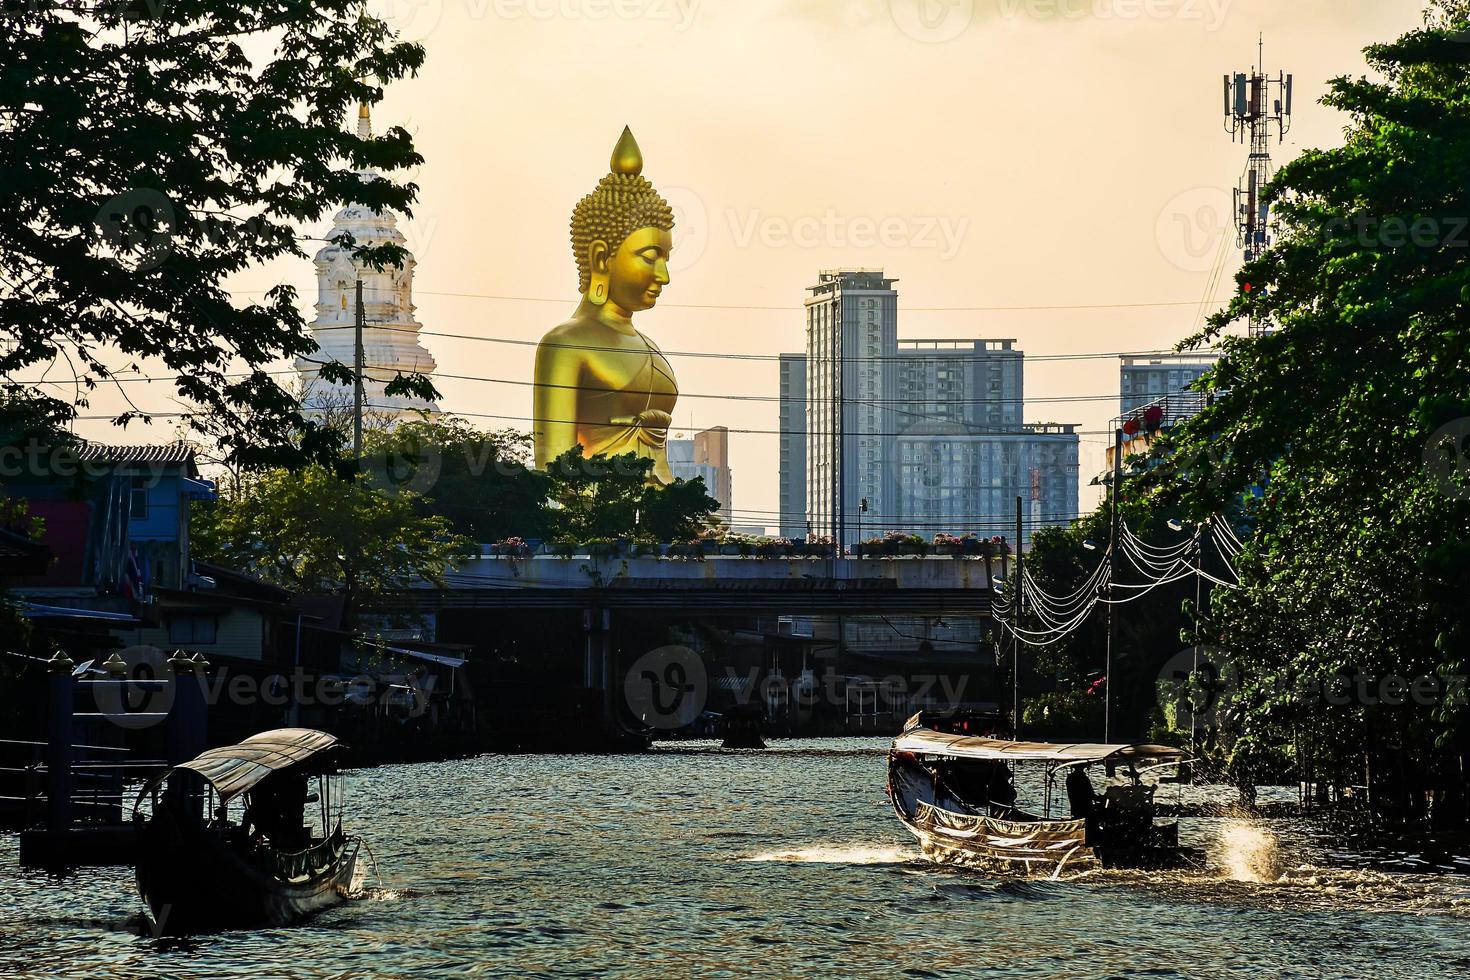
(1090, 544)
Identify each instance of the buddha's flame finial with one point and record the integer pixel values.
(364, 121)
(626, 157)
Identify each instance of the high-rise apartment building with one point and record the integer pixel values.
(1142, 380)
(793, 447)
(929, 433)
(851, 362)
(978, 382)
(958, 479)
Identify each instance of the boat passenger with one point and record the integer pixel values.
(1080, 795)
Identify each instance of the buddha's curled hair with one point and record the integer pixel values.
(621, 204)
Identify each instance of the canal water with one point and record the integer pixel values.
(690, 861)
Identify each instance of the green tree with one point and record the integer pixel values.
(610, 497)
(482, 483)
(313, 531)
(149, 151)
(1342, 434)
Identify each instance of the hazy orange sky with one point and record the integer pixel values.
(994, 153)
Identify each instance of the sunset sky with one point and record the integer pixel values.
(994, 153)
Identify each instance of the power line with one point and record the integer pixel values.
(787, 308)
(531, 418)
(726, 396)
(915, 355)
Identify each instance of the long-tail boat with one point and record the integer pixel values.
(956, 793)
(234, 838)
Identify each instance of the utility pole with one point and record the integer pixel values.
(1249, 115)
(1116, 522)
(1199, 567)
(357, 378)
(1016, 650)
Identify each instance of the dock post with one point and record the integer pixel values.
(61, 692)
(187, 719)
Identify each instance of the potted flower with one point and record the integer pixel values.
(948, 544)
(818, 545)
(513, 548)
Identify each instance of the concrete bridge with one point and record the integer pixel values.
(721, 583)
(582, 621)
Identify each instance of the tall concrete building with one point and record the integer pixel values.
(1148, 379)
(931, 432)
(793, 447)
(851, 361)
(960, 479)
(978, 382)
(706, 455)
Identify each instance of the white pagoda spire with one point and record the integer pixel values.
(390, 340)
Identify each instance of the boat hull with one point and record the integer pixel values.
(949, 833)
(1032, 848)
(202, 883)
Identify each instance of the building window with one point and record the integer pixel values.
(138, 499)
(192, 629)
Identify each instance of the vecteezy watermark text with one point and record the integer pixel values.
(669, 687)
(832, 229)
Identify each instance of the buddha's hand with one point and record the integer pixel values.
(653, 427)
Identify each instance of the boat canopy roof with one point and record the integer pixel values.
(926, 741)
(233, 769)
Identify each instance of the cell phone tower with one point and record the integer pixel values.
(1250, 114)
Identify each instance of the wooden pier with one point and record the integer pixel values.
(75, 792)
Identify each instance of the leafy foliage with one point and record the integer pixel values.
(1359, 564)
(609, 497)
(314, 531)
(150, 151)
(482, 483)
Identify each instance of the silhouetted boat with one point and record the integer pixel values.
(956, 794)
(740, 727)
(199, 869)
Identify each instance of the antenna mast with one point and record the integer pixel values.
(1250, 114)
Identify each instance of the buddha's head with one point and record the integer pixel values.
(622, 234)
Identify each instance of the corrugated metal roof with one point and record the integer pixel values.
(233, 769)
(172, 452)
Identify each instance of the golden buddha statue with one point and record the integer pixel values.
(599, 382)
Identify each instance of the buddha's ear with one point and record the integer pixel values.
(598, 255)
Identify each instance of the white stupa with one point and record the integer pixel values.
(390, 337)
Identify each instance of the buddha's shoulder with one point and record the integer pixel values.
(575, 330)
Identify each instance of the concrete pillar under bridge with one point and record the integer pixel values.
(597, 674)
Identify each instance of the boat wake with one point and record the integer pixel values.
(379, 894)
(840, 854)
(1248, 853)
